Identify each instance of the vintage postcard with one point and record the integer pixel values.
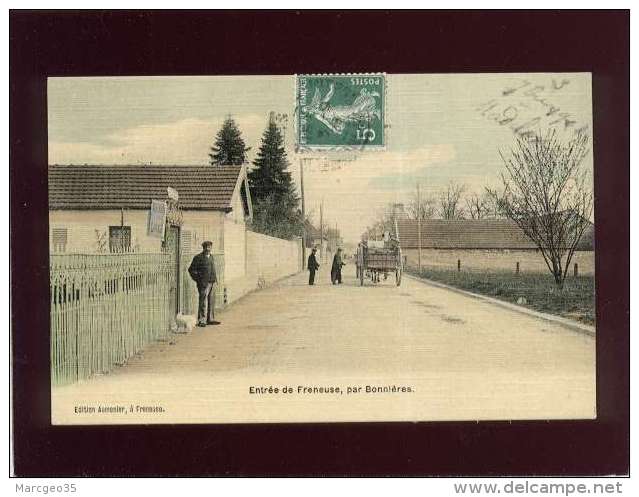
(321, 248)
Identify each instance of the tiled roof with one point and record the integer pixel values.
(133, 187)
(471, 234)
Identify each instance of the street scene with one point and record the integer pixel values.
(463, 359)
(321, 248)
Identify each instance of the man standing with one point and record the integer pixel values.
(202, 270)
(312, 266)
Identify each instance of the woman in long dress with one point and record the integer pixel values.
(336, 268)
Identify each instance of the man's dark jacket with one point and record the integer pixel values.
(202, 270)
(312, 264)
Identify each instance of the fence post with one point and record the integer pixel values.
(576, 269)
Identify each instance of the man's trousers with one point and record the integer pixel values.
(206, 303)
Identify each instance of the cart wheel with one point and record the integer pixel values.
(398, 276)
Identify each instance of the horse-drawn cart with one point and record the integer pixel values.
(377, 259)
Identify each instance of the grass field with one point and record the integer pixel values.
(576, 300)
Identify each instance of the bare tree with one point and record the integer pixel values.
(450, 202)
(494, 207)
(425, 208)
(477, 206)
(482, 206)
(384, 221)
(546, 192)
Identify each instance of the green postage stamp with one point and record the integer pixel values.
(340, 111)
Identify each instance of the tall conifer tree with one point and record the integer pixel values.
(275, 202)
(229, 147)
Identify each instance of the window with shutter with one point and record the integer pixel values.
(59, 239)
(119, 238)
(187, 242)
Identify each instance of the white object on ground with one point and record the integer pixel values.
(185, 323)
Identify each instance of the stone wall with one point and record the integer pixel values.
(529, 260)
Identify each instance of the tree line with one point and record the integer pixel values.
(452, 202)
(275, 202)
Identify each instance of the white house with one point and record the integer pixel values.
(94, 208)
(99, 209)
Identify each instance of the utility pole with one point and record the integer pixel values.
(303, 214)
(419, 230)
(322, 231)
(122, 246)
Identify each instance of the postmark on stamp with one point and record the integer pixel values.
(340, 111)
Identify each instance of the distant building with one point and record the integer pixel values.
(313, 235)
(335, 240)
(481, 243)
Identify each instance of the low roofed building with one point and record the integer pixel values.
(481, 244)
(484, 234)
(89, 187)
(107, 208)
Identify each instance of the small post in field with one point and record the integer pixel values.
(458, 265)
(576, 270)
(517, 268)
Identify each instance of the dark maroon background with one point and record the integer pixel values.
(182, 43)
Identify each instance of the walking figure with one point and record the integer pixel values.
(336, 268)
(202, 270)
(312, 266)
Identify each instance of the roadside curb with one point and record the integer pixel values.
(567, 323)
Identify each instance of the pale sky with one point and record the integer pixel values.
(436, 132)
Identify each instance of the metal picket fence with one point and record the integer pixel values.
(105, 308)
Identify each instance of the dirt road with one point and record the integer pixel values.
(414, 352)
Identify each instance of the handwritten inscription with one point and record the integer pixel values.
(526, 107)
